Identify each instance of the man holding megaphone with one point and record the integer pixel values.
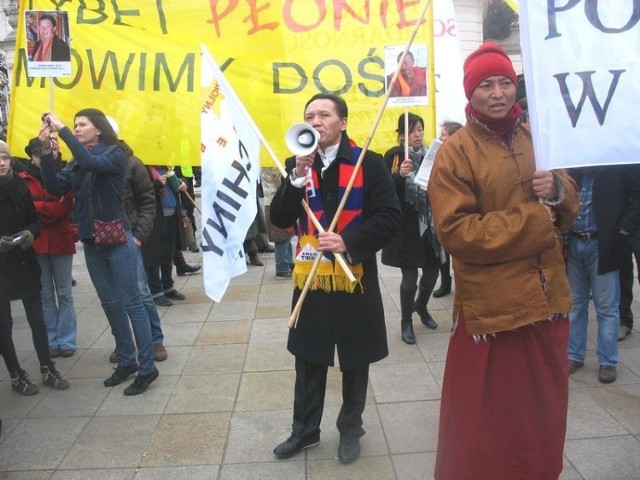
(335, 312)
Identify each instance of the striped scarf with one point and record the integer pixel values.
(329, 276)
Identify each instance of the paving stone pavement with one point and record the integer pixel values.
(224, 398)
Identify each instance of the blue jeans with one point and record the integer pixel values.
(113, 273)
(57, 301)
(284, 257)
(149, 304)
(583, 277)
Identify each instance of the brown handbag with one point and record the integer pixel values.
(109, 233)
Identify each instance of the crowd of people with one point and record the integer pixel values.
(528, 247)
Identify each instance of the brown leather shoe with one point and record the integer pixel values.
(55, 353)
(607, 374)
(624, 332)
(159, 353)
(68, 352)
(574, 365)
(254, 260)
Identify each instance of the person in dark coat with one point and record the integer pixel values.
(415, 245)
(20, 279)
(335, 313)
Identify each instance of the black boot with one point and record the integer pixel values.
(424, 292)
(445, 275)
(445, 287)
(406, 309)
(182, 267)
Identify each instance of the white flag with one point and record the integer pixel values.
(582, 65)
(230, 172)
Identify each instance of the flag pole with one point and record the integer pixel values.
(293, 319)
(227, 90)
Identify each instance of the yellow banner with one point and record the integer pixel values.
(139, 62)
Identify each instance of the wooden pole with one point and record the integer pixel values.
(293, 319)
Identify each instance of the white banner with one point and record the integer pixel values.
(581, 62)
(450, 98)
(230, 172)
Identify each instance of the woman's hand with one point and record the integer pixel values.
(44, 135)
(51, 119)
(406, 168)
(183, 186)
(163, 178)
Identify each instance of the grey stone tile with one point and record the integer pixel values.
(219, 333)
(107, 474)
(365, 468)
(176, 360)
(151, 402)
(606, 458)
(270, 330)
(188, 439)
(236, 310)
(111, 442)
(81, 399)
(195, 312)
(205, 360)
(414, 466)
(290, 470)
(266, 391)
(40, 443)
(396, 383)
(568, 471)
(30, 475)
(15, 405)
(204, 393)
(622, 402)
(196, 472)
(94, 364)
(433, 346)
(411, 427)
(181, 334)
(587, 419)
(269, 356)
(254, 435)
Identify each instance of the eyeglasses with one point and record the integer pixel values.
(5, 158)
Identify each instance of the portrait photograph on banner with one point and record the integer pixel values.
(48, 43)
(411, 87)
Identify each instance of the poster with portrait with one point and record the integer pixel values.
(411, 87)
(48, 51)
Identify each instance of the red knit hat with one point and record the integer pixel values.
(488, 60)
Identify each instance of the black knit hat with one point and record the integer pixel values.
(34, 146)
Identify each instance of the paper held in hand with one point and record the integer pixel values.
(423, 173)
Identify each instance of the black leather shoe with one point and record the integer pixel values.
(349, 449)
(295, 444)
(120, 374)
(408, 336)
(174, 295)
(162, 301)
(428, 321)
(186, 268)
(141, 383)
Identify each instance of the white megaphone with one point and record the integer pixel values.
(302, 139)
